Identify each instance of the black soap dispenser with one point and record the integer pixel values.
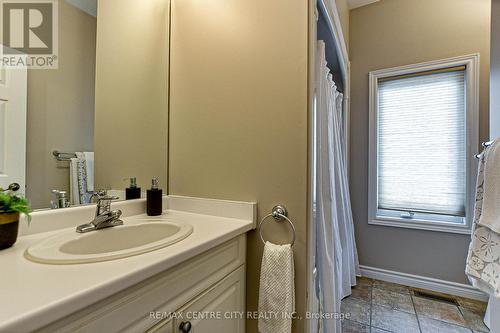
(133, 192)
(154, 199)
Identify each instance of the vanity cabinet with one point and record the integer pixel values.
(203, 291)
(219, 309)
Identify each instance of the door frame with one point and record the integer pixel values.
(333, 19)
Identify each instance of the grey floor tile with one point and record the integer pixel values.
(398, 288)
(362, 291)
(349, 326)
(379, 330)
(474, 320)
(393, 320)
(393, 300)
(361, 280)
(439, 310)
(429, 325)
(356, 310)
(393, 312)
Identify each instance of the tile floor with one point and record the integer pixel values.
(381, 307)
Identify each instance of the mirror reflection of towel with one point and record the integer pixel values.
(81, 178)
(89, 168)
(73, 181)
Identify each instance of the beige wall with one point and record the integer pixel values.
(495, 70)
(238, 114)
(61, 106)
(343, 10)
(398, 32)
(131, 92)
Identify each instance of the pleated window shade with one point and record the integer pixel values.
(422, 142)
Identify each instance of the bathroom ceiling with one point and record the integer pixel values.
(88, 6)
(359, 3)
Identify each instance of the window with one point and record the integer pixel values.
(423, 129)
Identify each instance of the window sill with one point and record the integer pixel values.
(421, 225)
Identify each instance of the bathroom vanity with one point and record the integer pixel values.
(196, 284)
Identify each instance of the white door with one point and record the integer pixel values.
(13, 94)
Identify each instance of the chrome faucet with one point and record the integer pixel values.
(104, 216)
(61, 200)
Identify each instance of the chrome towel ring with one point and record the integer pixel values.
(279, 213)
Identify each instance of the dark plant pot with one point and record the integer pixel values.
(9, 225)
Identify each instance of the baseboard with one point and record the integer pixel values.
(416, 281)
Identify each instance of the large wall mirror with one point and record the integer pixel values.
(100, 118)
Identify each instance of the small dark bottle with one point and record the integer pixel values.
(154, 199)
(133, 192)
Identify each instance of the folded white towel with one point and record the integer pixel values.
(490, 216)
(277, 289)
(89, 163)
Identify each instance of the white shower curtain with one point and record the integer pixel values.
(336, 255)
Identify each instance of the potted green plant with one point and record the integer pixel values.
(11, 207)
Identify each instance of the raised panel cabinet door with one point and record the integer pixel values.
(220, 309)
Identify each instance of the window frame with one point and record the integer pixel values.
(423, 221)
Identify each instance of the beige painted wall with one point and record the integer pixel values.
(495, 70)
(238, 115)
(343, 10)
(398, 32)
(61, 106)
(131, 92)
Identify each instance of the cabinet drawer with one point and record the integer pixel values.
(130, 310)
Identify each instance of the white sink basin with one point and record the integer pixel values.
(70, 247)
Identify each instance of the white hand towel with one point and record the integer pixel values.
(89, 162)
(277, 289)
(490, 216)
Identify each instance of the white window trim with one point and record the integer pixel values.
(471, 63)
